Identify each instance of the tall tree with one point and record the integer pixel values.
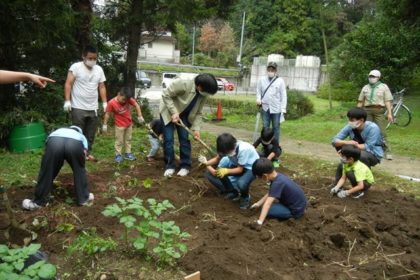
(83, 12)
(131, 17)
(208, 38)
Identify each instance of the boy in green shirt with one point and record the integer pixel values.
(359, 175)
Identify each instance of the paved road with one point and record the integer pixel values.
(399, 166)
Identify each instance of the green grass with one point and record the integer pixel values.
(321, 126)
(22, 169)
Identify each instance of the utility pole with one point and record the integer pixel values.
(193, 46)
(238, 60)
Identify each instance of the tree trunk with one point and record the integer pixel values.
(83, 8)
(134, 39)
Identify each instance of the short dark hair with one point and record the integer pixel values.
(352, 151)
(207, 82)
(126, 92)
(262, 166)
(267, 134)
(225, 143)
(357, 113)
(88, 49)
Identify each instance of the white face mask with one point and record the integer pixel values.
(233, 153)
(90, 63)
(355, 124)
(373, 80)
(204, 94)
(344, 160)
(271, 74)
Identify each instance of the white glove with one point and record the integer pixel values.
(140, 119)
(104, 105)
(343, 194)
(104, 128)
(335, 190)
(202, 159)
(67, 106)
(255, 205)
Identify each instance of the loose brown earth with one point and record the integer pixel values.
(376, 237)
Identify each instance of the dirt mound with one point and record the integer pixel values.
(370, 238)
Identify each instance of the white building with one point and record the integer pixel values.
(159, 48)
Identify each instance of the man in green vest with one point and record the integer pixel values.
(375, 98)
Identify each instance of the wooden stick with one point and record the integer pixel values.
(181, 124)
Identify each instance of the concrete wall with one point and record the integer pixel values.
(302, 73)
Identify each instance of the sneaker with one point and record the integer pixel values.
(357, 194)
(245, 202)
(118, 158)
(169, 172)
(183, 172)
(89, 200)
(30, 205)
(389, 157)
(129, 156)
(234, 196)
(276, 164)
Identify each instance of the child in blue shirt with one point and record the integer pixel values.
(291, 199)
(233, 174)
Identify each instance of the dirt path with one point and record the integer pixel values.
(399, 166)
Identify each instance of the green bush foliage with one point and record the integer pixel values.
(297, 105)
(341, 91)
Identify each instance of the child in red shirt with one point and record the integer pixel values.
(120, 106)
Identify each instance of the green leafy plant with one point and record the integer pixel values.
(170, 246)
(90, 242)
(142, 223)
(13, 263)
(147, 183)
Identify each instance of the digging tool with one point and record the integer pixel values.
(181, 124)
(257, 126)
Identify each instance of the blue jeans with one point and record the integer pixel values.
(279, 211)
(154, 146)
(224, 184)
(168, 146)
(275, 120)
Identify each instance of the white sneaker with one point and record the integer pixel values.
(183, 172)
(30, 205)
(389, 157)
(89, 200)
(169, 172)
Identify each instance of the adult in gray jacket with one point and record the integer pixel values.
(183, 100)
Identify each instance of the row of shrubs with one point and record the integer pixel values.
(298, 105)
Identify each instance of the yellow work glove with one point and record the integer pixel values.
(222, 172)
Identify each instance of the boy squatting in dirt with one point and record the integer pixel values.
(234, 168)
(270, 146)
(120, 106)
(291, 198)
(359, 175)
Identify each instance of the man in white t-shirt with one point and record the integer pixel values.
(81, 93)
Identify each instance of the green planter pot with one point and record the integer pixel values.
(27, 137)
